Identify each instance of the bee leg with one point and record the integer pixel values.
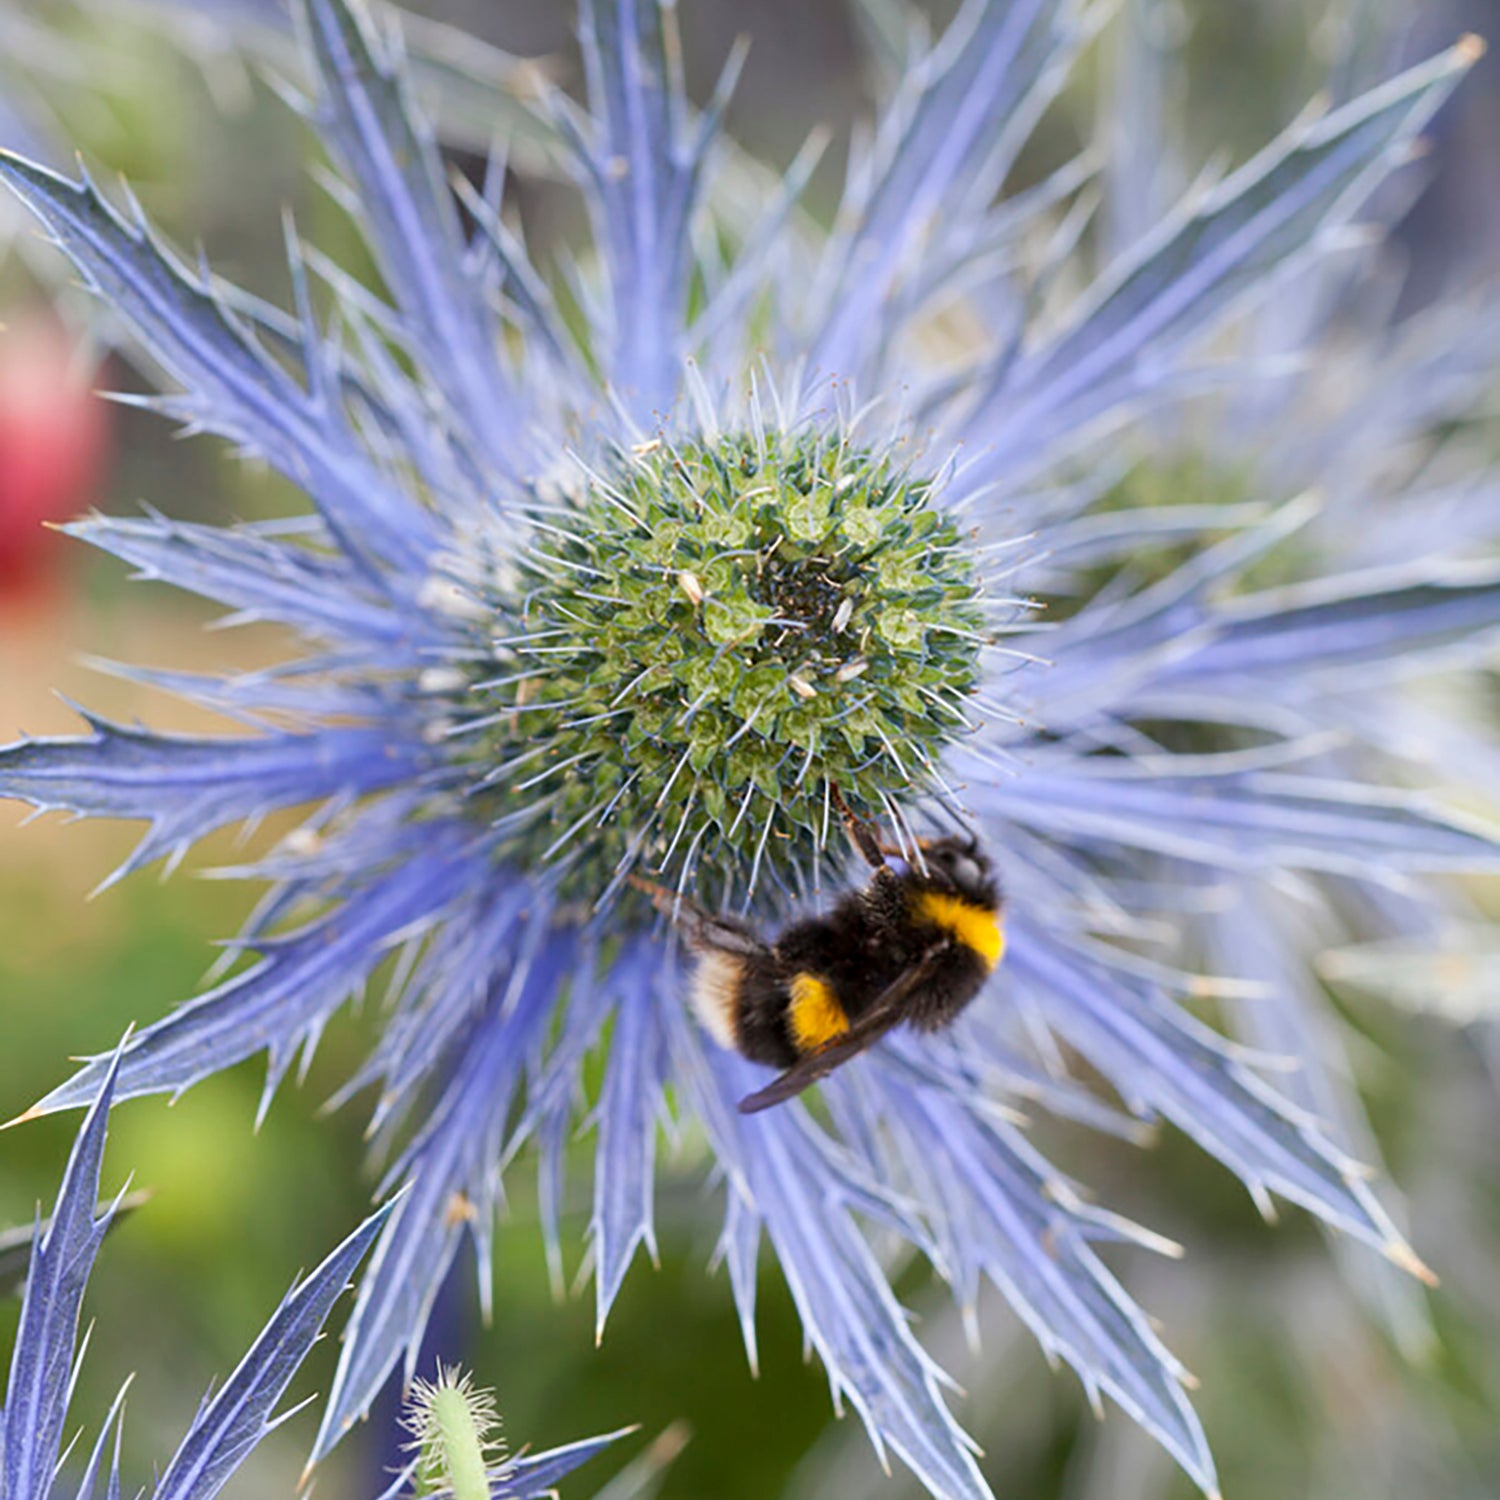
(922, 844)
(865, 838)
(701, 927)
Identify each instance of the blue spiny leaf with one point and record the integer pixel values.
(452, 1175)
(230, 1425)
(969, 94)
(186, 787)
(1175, 284)
(644, 169)
(625, 1166)
(413, 224)
(235, 388)
(285, 997)
(41, 1368)
(1161, 1060)
(1241, 819)
(255, 573)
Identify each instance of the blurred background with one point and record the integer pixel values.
(1302, 1394)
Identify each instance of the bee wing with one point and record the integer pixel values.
(888, 1010)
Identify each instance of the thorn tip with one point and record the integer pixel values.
(1401, 1254)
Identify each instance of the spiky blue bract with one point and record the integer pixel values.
(232, 1421)
(41, 1366)
(529, 1476)
(230, 1424)
(629, 588)
(187, 787)
(227, 1427)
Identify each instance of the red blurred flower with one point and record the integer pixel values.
(54, 437)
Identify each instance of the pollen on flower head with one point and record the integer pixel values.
(706, 635)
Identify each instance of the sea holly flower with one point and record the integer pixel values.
(621, 563)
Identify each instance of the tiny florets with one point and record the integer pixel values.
(700, 638)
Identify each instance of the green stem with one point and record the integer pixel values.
(455, 1448)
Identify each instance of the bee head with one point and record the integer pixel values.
(958, 865)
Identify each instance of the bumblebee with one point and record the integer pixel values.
(915, 945)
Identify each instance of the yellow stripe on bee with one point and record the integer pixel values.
(976, 927)
(816, 1015)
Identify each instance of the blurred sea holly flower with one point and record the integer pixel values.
(622, 562)
(1387, 418)
(230, 1422)
(473, 91)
